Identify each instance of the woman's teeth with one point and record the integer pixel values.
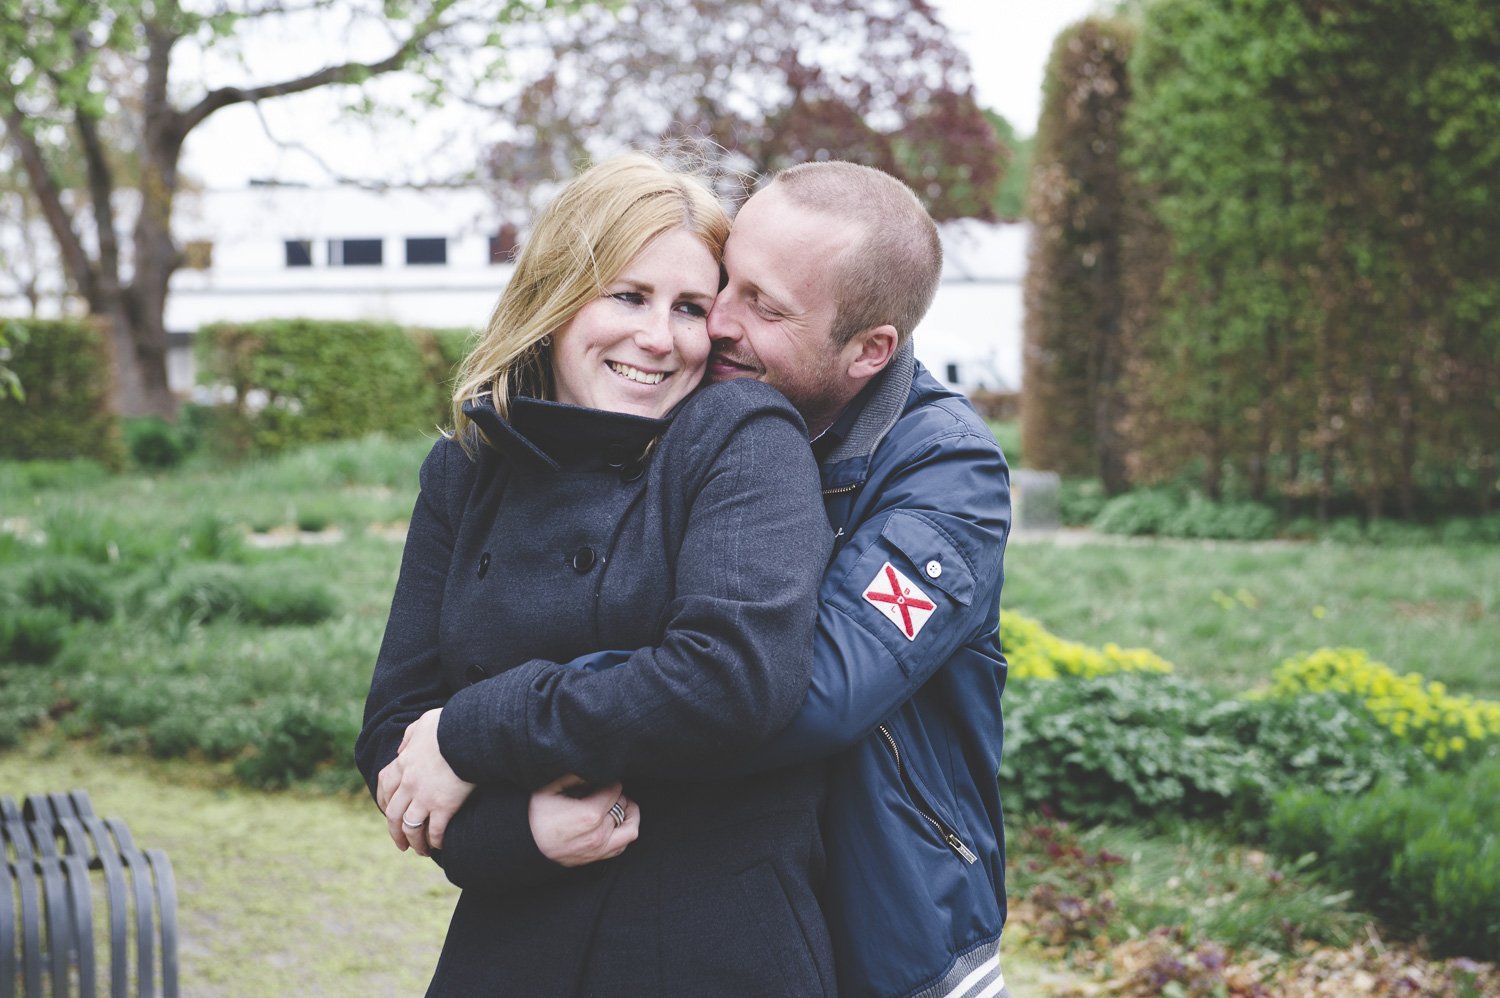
(636, 374)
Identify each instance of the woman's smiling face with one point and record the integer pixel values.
(641, 346)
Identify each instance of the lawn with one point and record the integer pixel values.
(1228, 613)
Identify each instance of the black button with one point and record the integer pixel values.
(475, 674)
(614, 456)
(484, 564)
(583, 559)
(632, 471)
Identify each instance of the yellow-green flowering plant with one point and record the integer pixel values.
(1035, 653)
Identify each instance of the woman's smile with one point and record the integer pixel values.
(642, 345)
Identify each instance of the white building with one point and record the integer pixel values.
(437, 259)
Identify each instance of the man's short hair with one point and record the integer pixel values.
(891, 274)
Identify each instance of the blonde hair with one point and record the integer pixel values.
(582, 240)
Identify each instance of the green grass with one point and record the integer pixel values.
(278, 894)
(1430, 609)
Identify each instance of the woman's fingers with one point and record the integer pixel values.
(576, 831)
(387, 782)
(416, 835)
(395, 812)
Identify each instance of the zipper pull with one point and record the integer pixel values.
(957, 845)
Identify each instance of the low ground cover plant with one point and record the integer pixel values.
(1423, 855)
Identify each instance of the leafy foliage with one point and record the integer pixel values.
(155, 443)
(322, 380)
(1034, 653)
(769, 84)
(65, 411)
(1324, 174)
(1423, 856)
(1139, 745)
(1073, 350)
(1167, 513)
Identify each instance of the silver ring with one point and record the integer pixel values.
(409, 824)
(617, 812)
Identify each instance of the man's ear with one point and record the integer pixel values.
(867, 354)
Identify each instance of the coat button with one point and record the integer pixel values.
(615, 456)
(484, 564)
(475, 674)
(632, 471)
(583, 559)
(934, 569)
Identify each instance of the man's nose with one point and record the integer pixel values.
(722, 324)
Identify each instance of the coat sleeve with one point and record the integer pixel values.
(489, 841)
(941, 523)
(735, 656)
(944, 500)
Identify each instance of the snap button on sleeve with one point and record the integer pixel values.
(934, 569)
(484, 564)
(583, 559)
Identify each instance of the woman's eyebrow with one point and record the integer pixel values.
(696, 296)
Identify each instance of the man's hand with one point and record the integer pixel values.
(419, 792)
(575, 831)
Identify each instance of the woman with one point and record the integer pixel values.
(589, 500)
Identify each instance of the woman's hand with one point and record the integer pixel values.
(419, 792)
(575, 831)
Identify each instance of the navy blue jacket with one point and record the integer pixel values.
(909, 706)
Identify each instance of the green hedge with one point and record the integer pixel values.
(1424, 856)
(323, 380)
(65, 370)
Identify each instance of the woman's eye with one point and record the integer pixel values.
(694, 309)
(629, 297)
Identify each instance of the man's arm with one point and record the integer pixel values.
(945, 501)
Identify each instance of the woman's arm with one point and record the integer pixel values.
(735, 658)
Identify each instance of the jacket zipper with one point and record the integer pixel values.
(841, 489)
(944, 832)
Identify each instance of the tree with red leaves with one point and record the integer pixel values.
(765, 84)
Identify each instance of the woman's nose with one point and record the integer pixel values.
(655, 334)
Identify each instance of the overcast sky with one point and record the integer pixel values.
(1007, 42)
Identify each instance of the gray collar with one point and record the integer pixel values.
(881, 410)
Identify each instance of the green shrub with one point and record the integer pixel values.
(271, 595)
(1424, 857)
(64, 366)
(25, 697)
(155, 443)
(1461, 531)
(23, 477)
(1144, 511)
(1232, 521)
(319, 380)
(71, 585)
(32, 634)
(298, 736)
(1079, 500)
(1137, 745)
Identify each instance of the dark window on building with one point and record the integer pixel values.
(354, 253)
(503, 245)
(427, 250)
(299, 253)
(952, 374)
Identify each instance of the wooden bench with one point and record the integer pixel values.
(50, 847)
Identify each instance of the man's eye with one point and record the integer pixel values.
(629, 297)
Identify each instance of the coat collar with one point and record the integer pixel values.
(546, 435)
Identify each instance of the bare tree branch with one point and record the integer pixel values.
(49, 196)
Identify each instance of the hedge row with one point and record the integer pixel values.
(65, 408)
(297, 381)
(1265, 244)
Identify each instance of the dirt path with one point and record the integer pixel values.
(281, 894)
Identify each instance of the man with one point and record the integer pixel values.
(829, 269)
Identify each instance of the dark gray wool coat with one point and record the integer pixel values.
(560, 540)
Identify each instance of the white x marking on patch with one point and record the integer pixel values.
(900, 599)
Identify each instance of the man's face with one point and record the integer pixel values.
(774, 318)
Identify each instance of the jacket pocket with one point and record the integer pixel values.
(941, 826)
